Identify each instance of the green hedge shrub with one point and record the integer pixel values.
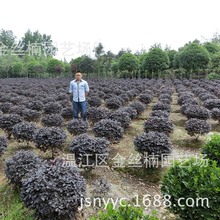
(193, 179)
(125, 211)
(211, 148)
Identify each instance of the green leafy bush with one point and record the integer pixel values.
(31, 66)
(211, 148)
(55, 66)
(195, 180)
(17, 68)
(125, 211)
(212, 76)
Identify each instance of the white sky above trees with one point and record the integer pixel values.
(77, 26)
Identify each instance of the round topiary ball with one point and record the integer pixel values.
(120, 116)
(31, 115)
(49, 138)
(19, 165)
(212, 103)
(54, 191)
(36, 105)
(7, 122)
(216, 114)
(89, 150)
(52, 108)
(94, 101)
(138, 106)
(24, 131)
(67, 113)
(162, 106)
(113, 103)
(110, 129)
(196, 111)
(159, 124)
(153, 143)
(195, 126)
(160, 113)
(5, 107)
(96, 114)
(51, 120)
(145, 98)
(131, 111)
(77, 126)
(183, 97)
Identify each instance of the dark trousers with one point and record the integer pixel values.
(79, 107)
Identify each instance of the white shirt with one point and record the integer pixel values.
(78, 89)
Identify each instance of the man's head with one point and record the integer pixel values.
(78, 75)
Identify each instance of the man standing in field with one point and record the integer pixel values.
(80, 89)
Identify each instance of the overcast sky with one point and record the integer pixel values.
(77, 26)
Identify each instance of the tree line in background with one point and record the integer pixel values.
(33, 56)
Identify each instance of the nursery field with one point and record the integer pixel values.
(54, 167)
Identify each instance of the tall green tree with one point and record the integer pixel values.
(38, 44)
(99, 50)
(6, 65)
(18, 69)
(216, 38)
(212, 47)
(128, 65)
(171, 54)
(87, 65)
(194, 57)
(215, 60)
(115, 67)
(83, 63)
(105, 62)
(141, 59)
(55, 66)
(75, 64)
(156, 60)
(122, 51)
(7, 38)
(138, 53)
